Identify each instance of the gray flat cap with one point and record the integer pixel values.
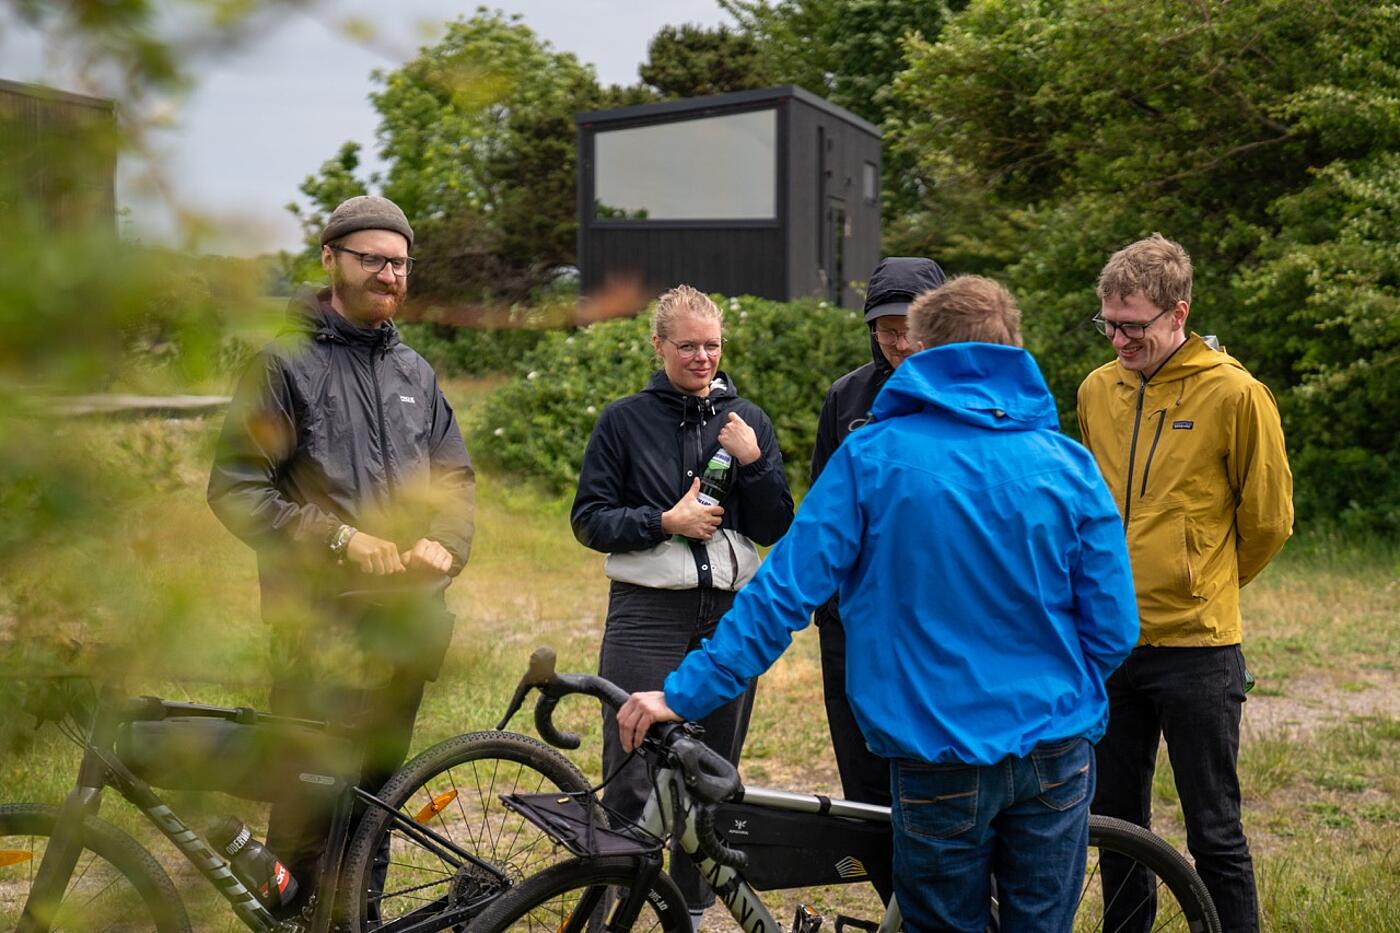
(366, 212)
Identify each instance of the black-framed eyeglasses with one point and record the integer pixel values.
(373, 262)
(1133, 330)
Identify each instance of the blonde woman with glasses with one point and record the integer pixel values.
(675, 562)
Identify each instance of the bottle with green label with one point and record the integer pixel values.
(714, 482)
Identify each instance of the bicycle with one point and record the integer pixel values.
(616, 879)
(429, 850)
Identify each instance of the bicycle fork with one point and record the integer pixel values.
(60, 858)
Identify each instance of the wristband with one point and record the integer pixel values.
(341, 538)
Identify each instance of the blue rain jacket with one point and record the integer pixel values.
(980, 564)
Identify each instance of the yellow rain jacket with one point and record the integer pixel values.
(1195, 459)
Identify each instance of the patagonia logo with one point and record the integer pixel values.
(1183, 425)
(410, 400)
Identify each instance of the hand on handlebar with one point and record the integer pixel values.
(639, 713)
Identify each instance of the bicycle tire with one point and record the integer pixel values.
(389, 876)
(1159, 889)
(115, 877)
(551, 900)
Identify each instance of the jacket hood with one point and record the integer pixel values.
(895, 283)
(1192, 358)
(692, 408)
(309, 312)
(986, 384)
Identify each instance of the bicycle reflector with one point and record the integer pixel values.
(10, 857)
(435, 806)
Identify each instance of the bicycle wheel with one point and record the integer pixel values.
(577, 896)
(116, 884)
(454, 789)
(1137, 882)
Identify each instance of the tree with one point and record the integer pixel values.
(849, 51)
(1260, 135)
(478, 134)
(691, 61)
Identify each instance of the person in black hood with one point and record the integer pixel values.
(676, 562)
(894, 284)
(340, 462)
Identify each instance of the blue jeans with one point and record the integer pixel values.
(1023, 820)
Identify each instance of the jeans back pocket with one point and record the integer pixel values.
(1065, 771)
(937, 800)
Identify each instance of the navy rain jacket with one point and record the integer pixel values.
(645, 451)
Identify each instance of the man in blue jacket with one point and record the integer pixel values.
(986, 591)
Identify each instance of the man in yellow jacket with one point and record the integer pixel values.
(1192, 449)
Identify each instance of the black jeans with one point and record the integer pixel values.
(300, 820)
(865, 776)
(647, 634)
(1192, 696)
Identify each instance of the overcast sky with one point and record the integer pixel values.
(264, 117)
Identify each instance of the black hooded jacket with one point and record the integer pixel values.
(847, 407)
(334, 423)
(645, 451)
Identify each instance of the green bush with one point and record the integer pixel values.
(463, 351)
(781, 356)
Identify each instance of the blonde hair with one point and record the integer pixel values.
(964, 309)
(1156, 267)
(682, 300)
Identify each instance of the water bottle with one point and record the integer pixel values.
(253, 863)
(714, 482)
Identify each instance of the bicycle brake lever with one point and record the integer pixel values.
(539, 673)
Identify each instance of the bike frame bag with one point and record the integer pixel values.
(263, 761)
(799, 850)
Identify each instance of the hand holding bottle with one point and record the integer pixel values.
(692, 518)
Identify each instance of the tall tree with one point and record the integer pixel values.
(691, 61)
(1261, 135)
(479, 138)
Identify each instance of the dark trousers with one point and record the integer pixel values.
(1192, 696)
(864, 775)
(647, 633)
(298, 824)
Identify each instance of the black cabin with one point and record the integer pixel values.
(774, 193)
(58, 151)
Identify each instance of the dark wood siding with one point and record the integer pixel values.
(745, 261)
(826, 160)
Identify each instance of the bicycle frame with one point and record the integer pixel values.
(101, 768)
(659, 817)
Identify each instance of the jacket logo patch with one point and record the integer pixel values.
(409, 399)
(1183, 425)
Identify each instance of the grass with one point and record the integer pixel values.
(1320, 760)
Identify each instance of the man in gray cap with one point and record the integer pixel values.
(341, 464)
